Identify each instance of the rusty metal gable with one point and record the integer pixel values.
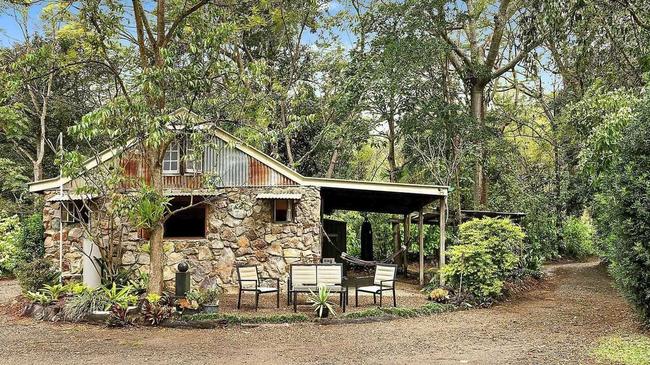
(227, 166)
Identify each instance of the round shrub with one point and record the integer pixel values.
(34, 275)
(488, 252)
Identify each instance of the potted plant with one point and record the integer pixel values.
(211, 300)
(320, 302)
(192, 302)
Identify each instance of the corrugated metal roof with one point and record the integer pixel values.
(68, 197)
(285, 196)
(194, 192)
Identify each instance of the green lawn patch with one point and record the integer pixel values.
(624, 350)
(242, 319)
(425, 310)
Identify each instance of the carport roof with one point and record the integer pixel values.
(377, 197)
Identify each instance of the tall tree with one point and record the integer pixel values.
(486, 40)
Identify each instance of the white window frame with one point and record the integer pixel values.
(173, 147)
(290, 211)
(197, 166)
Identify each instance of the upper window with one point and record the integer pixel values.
(283, 210)
(171, 161)
(191, 163)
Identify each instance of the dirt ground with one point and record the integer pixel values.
(555, 324)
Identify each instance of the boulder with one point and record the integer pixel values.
(205, 253)
(128, 258)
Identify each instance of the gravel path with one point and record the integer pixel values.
(558, 323)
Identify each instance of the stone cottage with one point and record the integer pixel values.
(260, 212)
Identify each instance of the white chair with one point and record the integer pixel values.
(331, 275)
(249, 280)
(384, 280)
(302, 279)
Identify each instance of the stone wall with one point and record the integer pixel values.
(72, 236)
(240, 230)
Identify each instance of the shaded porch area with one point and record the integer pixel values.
(404, 201)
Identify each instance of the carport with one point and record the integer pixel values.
(393, 198)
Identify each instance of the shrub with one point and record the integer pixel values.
(489, 252)
(10, 233)
(31, 241)
(34, 275)
(631, 252)
(154, 311)
(503, 240)
(121, 297)
(88, 301)
(578, 238)
(42, 298)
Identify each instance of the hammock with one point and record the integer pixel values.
(357, 261)
(360, 262)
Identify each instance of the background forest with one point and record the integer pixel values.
(534, 106)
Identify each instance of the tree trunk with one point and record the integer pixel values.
(477, 105)
(157, 260)
(156, 253)
(392, 164)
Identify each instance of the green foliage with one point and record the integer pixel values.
(40, 297)
(425, 310)
(241, 319)
(121, 297)
(55, 291)
(624, 350)
(502, 239)
(630, 251)
(320, 301)
(471, 269)
(485, 257)
(76, 288)
(31, 242)
(34, 275)
(154, 310)
(146, 208)
(578, 237)
(10, 235)
(84, 303)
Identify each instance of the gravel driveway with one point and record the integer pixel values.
(558, 323)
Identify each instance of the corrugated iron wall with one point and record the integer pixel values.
(223, 165)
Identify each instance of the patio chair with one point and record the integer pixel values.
(331, 275)
(302, 279)
(384, 280)
(249, 280)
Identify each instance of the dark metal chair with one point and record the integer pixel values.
(384, 280)
(249, 280)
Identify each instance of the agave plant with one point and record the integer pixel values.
(320, 302)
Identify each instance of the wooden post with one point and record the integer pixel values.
(407, 237)
(396, 239)
(443, 236)
(421, 242)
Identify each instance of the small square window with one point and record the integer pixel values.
(283, 210)
(74, 212)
